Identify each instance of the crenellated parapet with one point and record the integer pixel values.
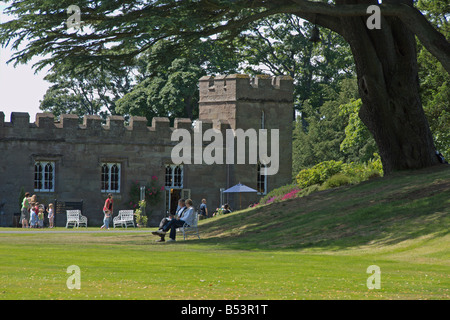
(116, 130)
(237, 87)
(223, 101)
(68, 128)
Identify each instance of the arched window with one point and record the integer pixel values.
(178, 176)
(48, 176)
(105, 177)
(174, 176)
(169, 177)
(115, 178)
(110, 177)
(37, 176)
(44, 176)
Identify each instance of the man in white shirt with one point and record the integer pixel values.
(178, 214)
(188, 217)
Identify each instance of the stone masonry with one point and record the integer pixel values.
(79, 150)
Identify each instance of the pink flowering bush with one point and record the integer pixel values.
(153, 192)
(291, 194)
(283, 193)
(271, 200)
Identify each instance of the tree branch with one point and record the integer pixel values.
(433, 40)
(414, 20)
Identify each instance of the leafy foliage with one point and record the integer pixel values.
(323, 171)
(171, 88)
(434, 80)
(280, 45)
(319, 173)
(358, 140)
(141, 216)
(93, 92)
(268, 33)
(337, 180)
(153, 193)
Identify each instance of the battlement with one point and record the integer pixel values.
(222, 91)
(68, 128)
(238, 87)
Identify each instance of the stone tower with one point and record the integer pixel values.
(262, 102)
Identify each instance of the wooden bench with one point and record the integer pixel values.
(125, 217)
(75, 218)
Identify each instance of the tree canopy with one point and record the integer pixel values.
(115, 33)
(121, 30)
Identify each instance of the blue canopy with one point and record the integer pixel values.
(240, 188)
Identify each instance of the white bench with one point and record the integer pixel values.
(75, 218)
(186, 229)
(125, 217)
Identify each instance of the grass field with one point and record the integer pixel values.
(316, 247)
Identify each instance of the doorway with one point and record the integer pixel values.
(172, 197)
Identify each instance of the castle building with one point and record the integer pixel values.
(72, 162)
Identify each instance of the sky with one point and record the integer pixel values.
(20, 89)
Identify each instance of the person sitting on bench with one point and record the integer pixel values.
(187, 217)
(179, 213)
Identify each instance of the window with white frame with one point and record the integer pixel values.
(174, 176)
(44, 176)
(111, 177)
(261, 182)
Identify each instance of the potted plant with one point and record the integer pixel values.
(141, 217)
(153, 195)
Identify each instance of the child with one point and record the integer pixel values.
(41, 216)
(107, 211)
(33, 215)
(51, 215)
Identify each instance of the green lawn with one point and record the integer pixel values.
(317, 247)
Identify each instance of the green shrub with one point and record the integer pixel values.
(319, 173)
(141, 217)
(373, 175)
(356, 172)
(326, 175)
(308, 190)
(337, 180)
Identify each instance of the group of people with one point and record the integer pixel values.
(32, 213)
(185, 214)
(224, 209)
(203, 209)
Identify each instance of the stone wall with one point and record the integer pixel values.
(79, 149)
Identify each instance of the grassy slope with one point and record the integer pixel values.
(374, 214)
(317, 247)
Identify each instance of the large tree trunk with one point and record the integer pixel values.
(386, 66)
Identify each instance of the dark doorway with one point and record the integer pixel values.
(172, 197)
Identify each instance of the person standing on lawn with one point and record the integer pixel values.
(107, 211)
(25, 214)
(51, 215)
(204, 209)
